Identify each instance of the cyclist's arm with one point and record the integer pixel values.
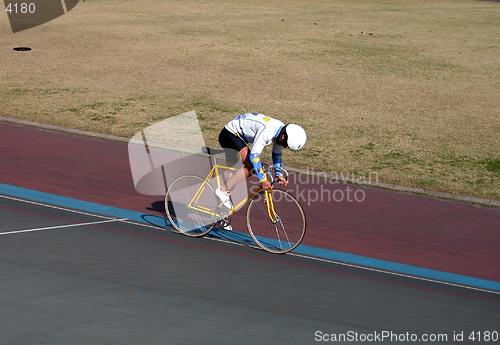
(257, 167)
(277, 164)
(277, 151)
(262, 139)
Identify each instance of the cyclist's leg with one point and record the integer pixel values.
(236, 150)
(242, 173)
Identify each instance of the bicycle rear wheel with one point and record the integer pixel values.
(190, 215)
(284, 229)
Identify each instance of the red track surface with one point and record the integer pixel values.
(416, 230)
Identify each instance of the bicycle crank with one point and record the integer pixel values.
(224, 217)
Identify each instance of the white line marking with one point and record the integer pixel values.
(60, 226)
(366, 268)
(55, 207)
(230, 242)
(379, 270)
(125, 220)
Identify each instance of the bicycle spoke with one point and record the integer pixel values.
(190, 204)
(284, 230)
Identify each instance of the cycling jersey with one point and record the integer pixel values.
(260, 130)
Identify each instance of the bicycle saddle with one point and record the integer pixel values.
(211, 151)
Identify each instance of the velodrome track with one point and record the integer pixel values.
(82, 262)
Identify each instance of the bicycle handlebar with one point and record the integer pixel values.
(268, 171)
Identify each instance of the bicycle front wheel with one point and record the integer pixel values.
(190, 205)
(276, 221)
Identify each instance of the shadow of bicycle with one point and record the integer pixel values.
(162, 222)
(232, 236)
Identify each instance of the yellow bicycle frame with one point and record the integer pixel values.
(193, 204)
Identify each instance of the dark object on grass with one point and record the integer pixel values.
(22, 49)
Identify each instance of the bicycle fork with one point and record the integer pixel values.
(273, 216)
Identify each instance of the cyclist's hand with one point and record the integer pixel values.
(266, 185)
(282, 180)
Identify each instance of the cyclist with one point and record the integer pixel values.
(261, 130)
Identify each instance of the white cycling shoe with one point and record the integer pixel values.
(224, 198)
(226, 227)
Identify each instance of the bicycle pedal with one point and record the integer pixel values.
(226, 227)
(224, 221)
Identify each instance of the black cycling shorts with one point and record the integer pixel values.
(232, 144)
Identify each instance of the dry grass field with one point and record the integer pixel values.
(409, 89)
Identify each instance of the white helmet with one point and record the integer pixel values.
(296, 137)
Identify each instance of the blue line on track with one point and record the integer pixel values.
(301, 249)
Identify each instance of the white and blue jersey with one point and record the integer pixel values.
(260, 130)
